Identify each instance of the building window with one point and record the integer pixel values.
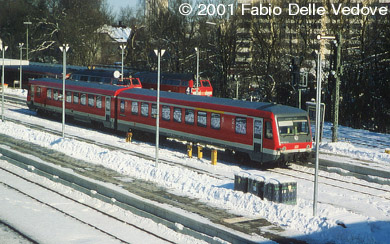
(177, 115)
(241, 126)
(145, 109)
(215, 121)
(189, 116)
(134, 108)
(202, 118)
(166, 113)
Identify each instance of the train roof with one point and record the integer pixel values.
(277, 109)
(106, 72)
(167, 76)
(83, 84)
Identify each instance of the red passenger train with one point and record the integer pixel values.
(180, 83)
(263, 132)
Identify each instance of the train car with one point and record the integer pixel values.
(33, 70)
(104, 76)
(88, 102)
(180, 83)
(262, 132)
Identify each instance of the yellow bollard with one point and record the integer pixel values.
(189, 150)
(214, 157)
(129, 135)
(200, 153)
(387, 150)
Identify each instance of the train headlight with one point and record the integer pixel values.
(283, 149)
(308, 147)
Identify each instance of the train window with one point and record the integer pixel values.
(215, 121)
(206, 83)
(145, 109)
(185, 83)
(38, 91)
(134, 108)
(83, 99)
(154, 111)
(166, 113)
(122, 106)
(68, 97)
(55, 95)
(76, 97)
(84, 78)
(75, 77)
(91, 100)
(177, 115)
(135, 81)
(95, 79)
(189, 116)
(98, 101)
(258, 128)
(268, 130)
(202, 118)
(48, 93)
(241, 126)
(293, 126)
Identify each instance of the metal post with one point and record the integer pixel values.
(159, 53)
(197, 71)
(237, 83)
(299, 98)
(123, 47)
(336, 93)
(318, 121)
(20, 69)
(317, 135)
(64, 49)
(27, 23)
(3, 49)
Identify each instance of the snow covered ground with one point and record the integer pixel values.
(367, 217)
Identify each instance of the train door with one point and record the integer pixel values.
(258, 135)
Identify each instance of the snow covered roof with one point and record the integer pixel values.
(118, 34)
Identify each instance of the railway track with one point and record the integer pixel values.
(336, 182)
(75, 203)
(108, 146)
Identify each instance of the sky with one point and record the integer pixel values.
(118, 4)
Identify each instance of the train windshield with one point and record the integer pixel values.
(206, 83)
(293, 126)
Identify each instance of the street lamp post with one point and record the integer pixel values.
(3, 49)
(318, 122)
(123, 47)
(159, 53)
(197, 70)
(27, 23)
(20, 68)
(64, 49)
